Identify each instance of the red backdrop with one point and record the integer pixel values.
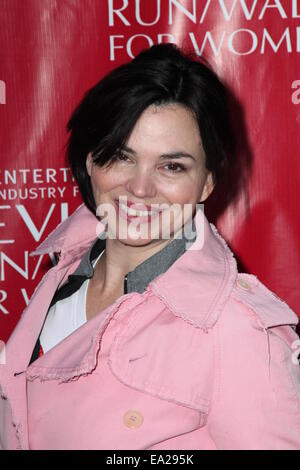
(51, 51)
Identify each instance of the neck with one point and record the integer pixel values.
(119, 259)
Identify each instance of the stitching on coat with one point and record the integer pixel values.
(151, 387)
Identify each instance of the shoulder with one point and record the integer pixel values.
(268, 309)
(255, 321)
(79, 229)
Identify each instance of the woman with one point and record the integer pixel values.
(144, 336)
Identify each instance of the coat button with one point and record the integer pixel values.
(243, 284)
(133, 419)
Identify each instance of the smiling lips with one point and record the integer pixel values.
(131, 209)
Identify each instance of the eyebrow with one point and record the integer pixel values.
(164, 156)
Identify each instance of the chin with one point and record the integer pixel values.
(137, 242)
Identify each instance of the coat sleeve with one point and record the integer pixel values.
(256, 400)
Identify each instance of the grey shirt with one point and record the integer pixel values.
(138, 279)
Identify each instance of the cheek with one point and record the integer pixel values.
(186, 191)
(103, 182)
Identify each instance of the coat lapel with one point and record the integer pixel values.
(199, 283)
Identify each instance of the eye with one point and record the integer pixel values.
(174, 167)
(121, 157)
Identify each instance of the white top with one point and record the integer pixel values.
(65, 316)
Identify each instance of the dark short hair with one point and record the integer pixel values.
(162, 74)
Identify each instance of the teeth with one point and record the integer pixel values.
(134, 212)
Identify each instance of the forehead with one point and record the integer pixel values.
(163, 128)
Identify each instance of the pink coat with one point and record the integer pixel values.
(205, 358)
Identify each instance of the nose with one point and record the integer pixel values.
(141, 184)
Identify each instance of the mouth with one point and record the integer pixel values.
(134, 211)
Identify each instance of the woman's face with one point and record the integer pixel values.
(158, 175)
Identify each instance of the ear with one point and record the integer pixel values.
(207, 188)
(89, 164)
